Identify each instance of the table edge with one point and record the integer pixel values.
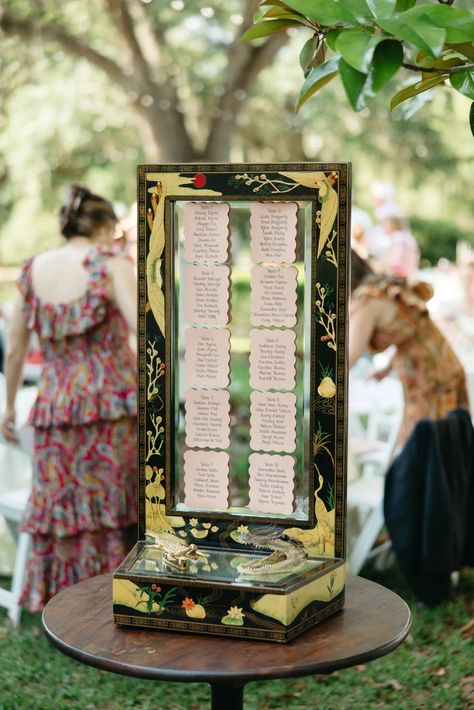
(183, 676)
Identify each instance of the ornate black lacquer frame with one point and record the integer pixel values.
(328, 416)
(147, 597)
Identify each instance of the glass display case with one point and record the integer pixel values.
(242, 399)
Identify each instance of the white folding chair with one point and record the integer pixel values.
(12, 506)
(15, 487)
(375, 417)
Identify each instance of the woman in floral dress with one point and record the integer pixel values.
(388, 311)
(81, 302)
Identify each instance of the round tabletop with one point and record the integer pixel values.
(79, 622)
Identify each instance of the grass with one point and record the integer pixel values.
(432, 669)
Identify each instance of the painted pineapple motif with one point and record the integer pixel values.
(327, 388)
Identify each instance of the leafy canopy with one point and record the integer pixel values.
(367, 42)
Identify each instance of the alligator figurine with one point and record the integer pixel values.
(178, 555)
(288, 555)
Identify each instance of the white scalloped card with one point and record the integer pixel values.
(206, 479)
(273, 231)
(271, 484)
(272, 359)
(206, 231)
(207, 357)
(273, 421)
(207, 419)
(206, 300)
(273, 296)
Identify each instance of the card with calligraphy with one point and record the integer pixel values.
(206, 232)
(273, 296)
(273, 231)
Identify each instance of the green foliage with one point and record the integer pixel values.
(373, 40)
(437, 239)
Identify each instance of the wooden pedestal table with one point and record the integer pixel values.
(79, 623)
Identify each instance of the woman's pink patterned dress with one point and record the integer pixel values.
(83, 500)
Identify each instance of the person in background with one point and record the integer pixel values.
(126, 234)
(401, 255)
(81, 303)
(361, 225)
(385, 310)
(391, 244)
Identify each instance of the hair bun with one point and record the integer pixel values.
(75, 197)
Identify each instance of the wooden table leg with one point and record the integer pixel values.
(227, 696)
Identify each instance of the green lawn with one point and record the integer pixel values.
(433, 669)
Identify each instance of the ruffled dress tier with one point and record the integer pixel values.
(83, 499)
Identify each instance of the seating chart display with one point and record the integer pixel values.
(242, 399)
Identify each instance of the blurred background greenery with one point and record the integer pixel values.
(90, 88)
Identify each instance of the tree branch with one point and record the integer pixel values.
(12, 26)
(151, 45)
(245, 62)
(167, 127)
(171, 125)
(438, 70)
(119, 12)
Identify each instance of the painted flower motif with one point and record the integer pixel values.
(193, 522)
(236, 612)
(206, 525)
(182, 533)
(234, 617)
(156, 588)
(188, 603)
(243, 530)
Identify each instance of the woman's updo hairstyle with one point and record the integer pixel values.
(360, 270)
(84, 213)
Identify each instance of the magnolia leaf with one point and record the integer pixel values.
(463, 81)
(357, 48)
(266, 28)
(319, 77)
(279, 3)
(457, 23)
(402, 5)
(381, 8)
(410, 106)
(388, 58)
(331, 38)
(281, 13)
(359, 9)
(324, 12)
(464, 48)
(307, 52)
(355, 84)
(447, 59)
(471, 118)
(417, 88)
(427, 37)
(360, 87)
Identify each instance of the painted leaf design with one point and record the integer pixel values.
(155, 291)
(328, 214)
